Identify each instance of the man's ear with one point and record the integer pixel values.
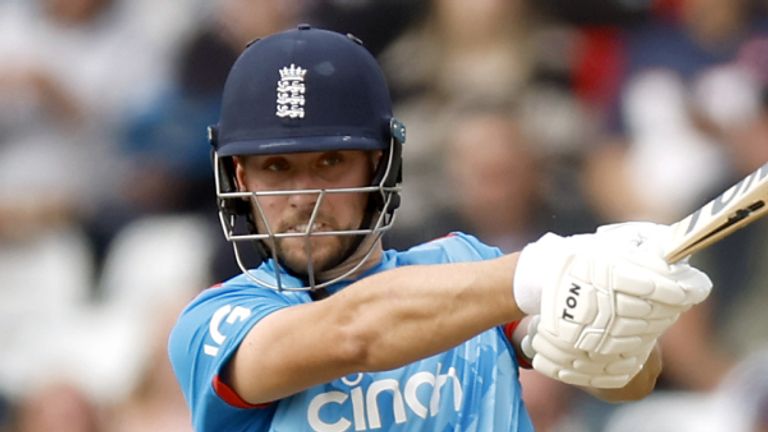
(375, 157)
(240, 173)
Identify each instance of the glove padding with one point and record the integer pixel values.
(579, 367)
(605, 299)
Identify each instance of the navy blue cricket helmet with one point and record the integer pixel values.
(305, 90)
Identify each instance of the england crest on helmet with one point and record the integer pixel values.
(290, 92)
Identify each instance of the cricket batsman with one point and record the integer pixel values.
(332, 333)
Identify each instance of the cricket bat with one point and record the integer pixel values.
(737, 207)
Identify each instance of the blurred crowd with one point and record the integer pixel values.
(523, 117)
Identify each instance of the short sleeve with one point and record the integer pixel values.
(474, 246)
(456, 247)
(206, 335)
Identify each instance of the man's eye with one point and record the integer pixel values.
(332, 159)
(275, 165)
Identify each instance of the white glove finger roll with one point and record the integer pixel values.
(624, 326)
(611, 381)
(642, 243)
(623, 345)
(554, 370)
(625, 366)
(582, 368)
(696, 285)
(661, 311)
(642, 282)
(546, 347)
(679, 284)
(669, 291)
(632, 279)
(558, 364)
(591, 367)
(632, 307)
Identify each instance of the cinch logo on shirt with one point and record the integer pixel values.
(364, 401)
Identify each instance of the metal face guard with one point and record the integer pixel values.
(380, 223)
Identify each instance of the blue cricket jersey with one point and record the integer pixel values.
(471, 387)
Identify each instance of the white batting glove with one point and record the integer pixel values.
(643, 244)
(603, 304)
(579, 367)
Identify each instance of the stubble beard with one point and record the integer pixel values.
(326, 252)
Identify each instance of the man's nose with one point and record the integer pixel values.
(304, 180)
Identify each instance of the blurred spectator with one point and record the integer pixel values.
(376, 23)
(57, 406)
(154, 264)
(671, 89)
(737, 404)
(156, 403)
(464, 52)
(730, 325)
(455, 55)
(241, 21)
(165, 146)
(496, 178)
(5, 414)
(69, 71)
(690, 103)
(682, 95)
(45, 278)
(501, 180)
(736, 265)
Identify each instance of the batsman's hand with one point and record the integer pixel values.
(579, 367)
(605, 298)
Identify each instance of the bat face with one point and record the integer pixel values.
(735, 208)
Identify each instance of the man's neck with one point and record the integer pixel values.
(370, 247)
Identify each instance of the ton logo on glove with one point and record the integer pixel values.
(571, 302)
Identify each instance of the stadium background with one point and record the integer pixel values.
(522, 116)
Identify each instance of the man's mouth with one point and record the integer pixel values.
(301, 228)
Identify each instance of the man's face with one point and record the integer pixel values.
(291, 213)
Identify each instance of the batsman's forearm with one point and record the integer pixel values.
(414, 312)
